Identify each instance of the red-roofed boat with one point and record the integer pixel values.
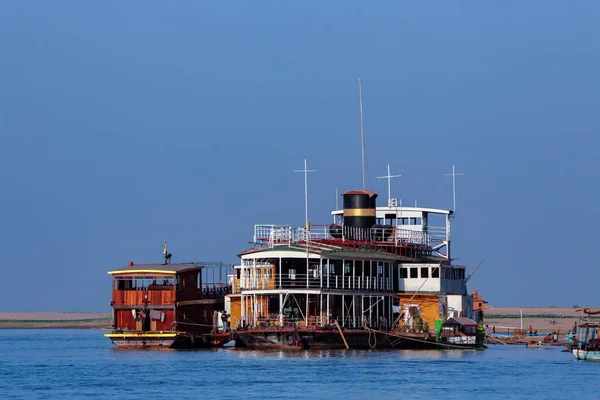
(169, 305)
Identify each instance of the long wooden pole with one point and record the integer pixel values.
(506, 344)
(335, 323)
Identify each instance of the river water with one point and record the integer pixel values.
(63, 363)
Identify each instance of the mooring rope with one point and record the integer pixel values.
(417, 340)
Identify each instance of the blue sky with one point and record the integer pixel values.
(124, 124)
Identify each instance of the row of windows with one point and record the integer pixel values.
(409, 221)
(449, 273)
(401, 220)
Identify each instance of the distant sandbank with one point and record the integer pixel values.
(20, 320)
(541, 319)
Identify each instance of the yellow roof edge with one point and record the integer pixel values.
(137, 271)
(139, 335)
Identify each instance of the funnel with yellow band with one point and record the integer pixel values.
(359, 213)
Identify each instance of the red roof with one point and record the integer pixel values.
(367, 192)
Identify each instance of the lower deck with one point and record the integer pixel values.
(332, 338)
(167, 340)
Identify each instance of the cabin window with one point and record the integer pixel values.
(435, 272)
(238, 273)
(413, 221)
(403, 273)
(418, 221)
(292, 274)
(461, 273)
(424, 272)
(346, 268)
(414, 272)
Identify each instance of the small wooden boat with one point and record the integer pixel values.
(588, 346)
(169, 306)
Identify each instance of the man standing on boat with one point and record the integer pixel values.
(166, 254)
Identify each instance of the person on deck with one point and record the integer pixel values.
(224, 319)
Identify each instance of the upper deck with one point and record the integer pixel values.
(165, 284)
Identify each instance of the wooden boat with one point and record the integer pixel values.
(168, 306)
(591, 311)
(460, 331)
(587, 347)
(533, 344)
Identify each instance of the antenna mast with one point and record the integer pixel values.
(362, 131)
(454, 175)
(306, 171)
(389, 179)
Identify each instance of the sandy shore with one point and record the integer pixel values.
(55, 320)
(542, 319)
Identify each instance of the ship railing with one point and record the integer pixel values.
(299, 320)
(216, 291)
(314, 231)
(370, 283)
(437, 233)
(274, 321)
(273, 234)
(358, 322)
(300, 281)
(253, 263)
(284, 235)
(413, 237)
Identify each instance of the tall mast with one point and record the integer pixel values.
(362, 131)
(307, 226)
(389, 179)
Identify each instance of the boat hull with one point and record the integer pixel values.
(586, 355)
(317, 339)
(167, 340)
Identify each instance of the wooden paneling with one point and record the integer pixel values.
(166, 324)
(125, 320)
(235, 311)
(139, 297)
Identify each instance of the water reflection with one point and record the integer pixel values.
(354, 354)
